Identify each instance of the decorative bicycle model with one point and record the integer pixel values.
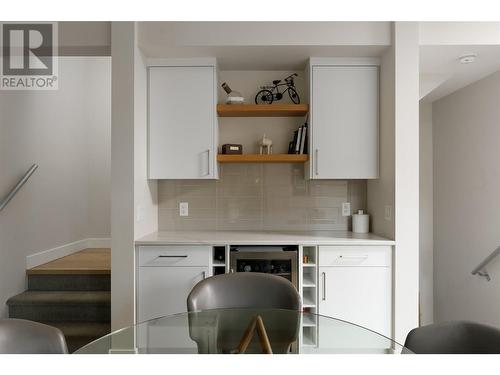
(268, 94)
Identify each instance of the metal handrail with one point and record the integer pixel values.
(18, 186)
(481, 270)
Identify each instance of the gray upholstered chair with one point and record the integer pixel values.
(249, 291)
(459, 337)
(18, 336)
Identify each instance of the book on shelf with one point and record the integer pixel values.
(293, 143)
(297, 143)
(303, 139)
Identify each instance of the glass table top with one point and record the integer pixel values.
(244, 331)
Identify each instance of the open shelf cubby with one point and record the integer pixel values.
(309, 336)
(310, 253)
(219, 260)
(309, 292)
(309, 321)
(309, 298)
(309, 277)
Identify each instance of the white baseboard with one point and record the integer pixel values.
(45, 256)
(95, 243)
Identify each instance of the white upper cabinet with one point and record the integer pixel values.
(182, 121)
(343, 119)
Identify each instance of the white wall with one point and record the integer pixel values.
(380, 191)
(396, 188)
(426, 284)
(122, 175)
(466, 133)
(145, 191)
(406, 207)
(133, 202)
(67, 133)
(264, 33)
(78, 38)
(98, 113)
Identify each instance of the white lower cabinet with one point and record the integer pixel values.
(355, 286)
(351, 283)
(166, 275)
(164, 290)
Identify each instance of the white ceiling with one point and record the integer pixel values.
(441, 73)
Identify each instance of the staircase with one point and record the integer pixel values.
(71, 293)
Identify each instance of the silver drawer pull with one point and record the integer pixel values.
(317, 162)
(208, 163)
(172, 256)
(324, 286)
(353, 257)
(204, 275)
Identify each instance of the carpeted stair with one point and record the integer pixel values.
(75, 299)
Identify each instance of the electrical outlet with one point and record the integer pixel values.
(388, 213)
(346, 209)
(183, 209)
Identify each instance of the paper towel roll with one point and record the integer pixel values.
(360, 222)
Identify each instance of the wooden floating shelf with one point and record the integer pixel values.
(257, 158)
(262, 110)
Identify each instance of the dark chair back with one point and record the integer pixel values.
(459, 337)
(18, 336)
(244, 290)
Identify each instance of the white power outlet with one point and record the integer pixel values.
(346, 209)
(388, 213)
(183, 209)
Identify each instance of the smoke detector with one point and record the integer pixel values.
(467, 59)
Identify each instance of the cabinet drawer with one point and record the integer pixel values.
(355, 256)
(174, 256)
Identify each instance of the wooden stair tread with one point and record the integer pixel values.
(31, 297)
(84, 262)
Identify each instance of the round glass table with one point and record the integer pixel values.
(241, 331)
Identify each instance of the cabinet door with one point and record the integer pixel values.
(182, 122)
(361, 295)
(344, 122)
(163, 290)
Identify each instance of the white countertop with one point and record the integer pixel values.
(261, 238)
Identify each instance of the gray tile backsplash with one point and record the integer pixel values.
(259, 197)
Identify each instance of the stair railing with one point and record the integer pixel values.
(18, 186)
(481, 268)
